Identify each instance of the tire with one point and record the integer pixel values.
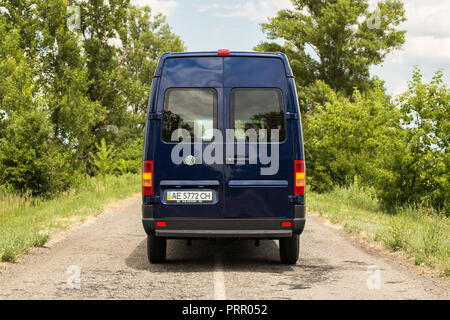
(289, 249)
(156, 249)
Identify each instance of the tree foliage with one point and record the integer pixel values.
(414, 167)
(399, 147)
(342, 138)
(74, 100)
(31, 161)
(79, 88)
(351, 127)
(103, 158)
(335, 41)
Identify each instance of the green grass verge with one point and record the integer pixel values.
(420, 233)
(30, 222)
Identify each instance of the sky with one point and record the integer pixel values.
(208, 25)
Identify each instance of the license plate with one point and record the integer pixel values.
(189, 196)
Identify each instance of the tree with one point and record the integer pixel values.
(100, 22)
(144, 40)
(21, 15)
(335, 41)
(64, 79)
(16, 74)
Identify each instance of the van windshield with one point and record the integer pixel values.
(189, 108)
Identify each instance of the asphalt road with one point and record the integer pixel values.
(108, 256)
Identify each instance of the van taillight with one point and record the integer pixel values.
(300, 177)
(147, 178)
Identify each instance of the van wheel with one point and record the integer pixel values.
(289, 249)
(156, 249)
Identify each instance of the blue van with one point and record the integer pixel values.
(223, 151)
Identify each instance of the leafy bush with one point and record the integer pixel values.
(102, 159)
(342, 138)
(399, 148)
(414, 168)
(129, 158)
(29, 159)
(316, 96)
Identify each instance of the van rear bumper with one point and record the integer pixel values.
(257, 228)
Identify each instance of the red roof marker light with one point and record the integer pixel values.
(223, 52)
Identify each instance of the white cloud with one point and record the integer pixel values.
(401, 87)
(429, 47)
(256, 10)
(208, 7)
(427, 44)
(428, 32)
(165, 7)
(428, 18)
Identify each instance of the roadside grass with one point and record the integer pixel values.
(27, 222)
(419, 232)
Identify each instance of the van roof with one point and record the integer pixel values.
(249, 54)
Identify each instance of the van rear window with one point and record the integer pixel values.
(258, 109)
(187, 108)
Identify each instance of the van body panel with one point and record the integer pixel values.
(190, 183)
(192, 72)
(254, 72)
(150, 127)
(258, 183)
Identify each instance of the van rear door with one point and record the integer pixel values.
(190, 96)
(256, 98)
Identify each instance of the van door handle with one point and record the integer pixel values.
(155, 116)
(292, 116)
(238, 159)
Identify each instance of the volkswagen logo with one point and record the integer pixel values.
(189, 160)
